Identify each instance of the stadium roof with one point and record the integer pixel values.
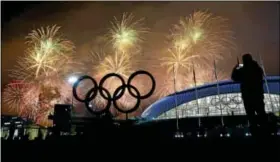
(225, 87)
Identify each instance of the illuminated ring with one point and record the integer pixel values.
(237, 100)
(102, 82)
(88, 99)
(122, 87)
(138, 73)
(228, 103)
(215, 101)
(276, 98)
(225, 100)
(94, 89)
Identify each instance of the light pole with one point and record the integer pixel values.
(72, 80)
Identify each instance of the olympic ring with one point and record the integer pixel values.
(137, 103)
(153, 83)
(225, 100)
(101, 111)
(118, 93)
(215, 101)
(237, 100)
(102, 81)
(76, 85)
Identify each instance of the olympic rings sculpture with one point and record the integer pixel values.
(226, 101)
(118, 93)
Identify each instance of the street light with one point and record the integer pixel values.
(72, 80)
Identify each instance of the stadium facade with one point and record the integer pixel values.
(206, 101)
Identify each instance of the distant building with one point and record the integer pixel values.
(21, 127)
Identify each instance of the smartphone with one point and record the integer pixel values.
(239, 66)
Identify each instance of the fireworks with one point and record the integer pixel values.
(44, 54)
(203, 34)
(117, 63)
(20, 97)
(199, 38)
(126, 34)
(177, 60)
(117, 58)
(13, 96)
(47, 60)
(195, 42)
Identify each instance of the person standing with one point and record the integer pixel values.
(250, 76)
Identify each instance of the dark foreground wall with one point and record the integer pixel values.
(145, 143)
(141, 149)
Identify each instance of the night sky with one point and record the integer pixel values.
(255, 24)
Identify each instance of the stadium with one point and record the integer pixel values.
(205, 101)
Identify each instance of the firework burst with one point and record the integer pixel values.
(179, 60)
(125, 34)
(203, 34)
(195, 42)
(199, 38)
(47, 60)
(44, 54)
(14, 96)
(104, 63)
(118, 63)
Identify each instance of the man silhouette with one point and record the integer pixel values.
(250, 76)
